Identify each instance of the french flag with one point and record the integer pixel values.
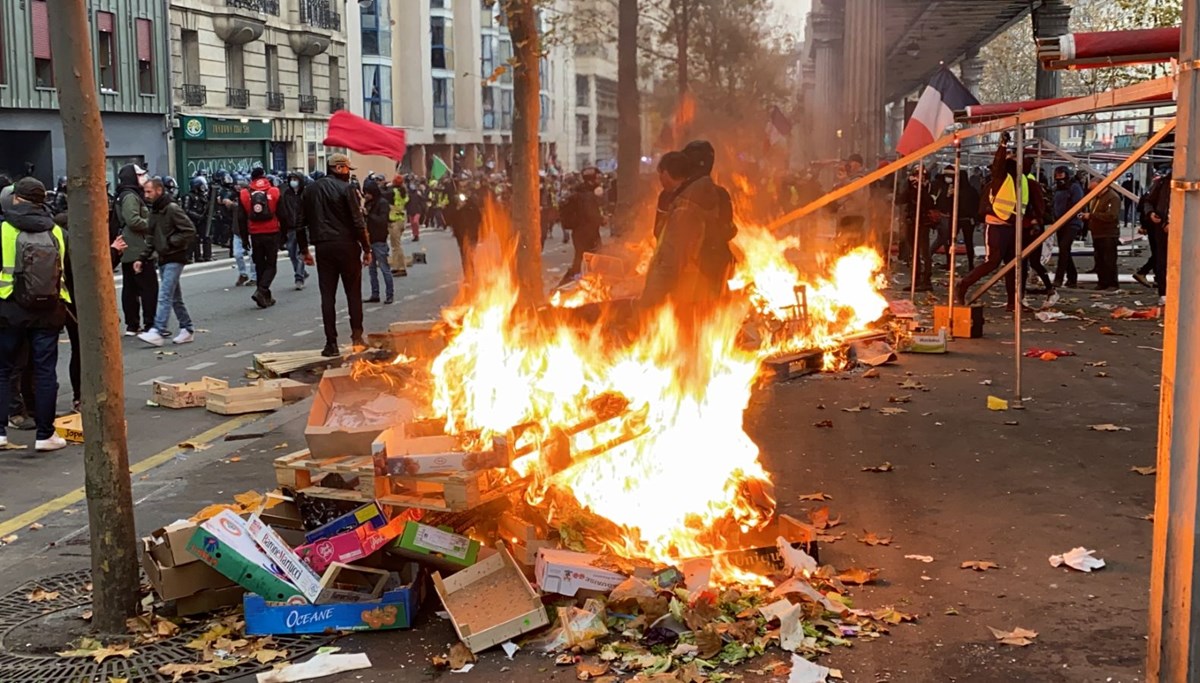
(944, 95)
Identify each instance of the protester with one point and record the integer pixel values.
(1128, 206)
(1103, 217)
(289, 217)
(59, 205)
(466, 219)
(377, 210)
(671, 166)
(941, 192)
(998, 208)
(32, 305)
(224, 194)
(716, 256)
(1067, 193)
(675, 275)
(333, 221)
(139, 289)
(72, 318)
(415, 210)
(397, 219)
(854, 209)
(260, 206)
(1033, 221)
(581, 215)
(171, 237)
(917, 196)
(1157, 211)
(197, 204)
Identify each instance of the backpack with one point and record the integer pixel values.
(37, 275)
(260, 207)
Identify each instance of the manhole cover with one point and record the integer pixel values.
(17, 613)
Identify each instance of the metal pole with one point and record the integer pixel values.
(892, 224)
(912, 295)
(952, 250)
(1174, 569)
(1018, 303)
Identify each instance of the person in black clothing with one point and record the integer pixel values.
(672, 165)
(716, 256)
(196, 204)
(59, 205)
(376, 208)
(941, 191)
(1129, 209)
(581, 215)
(466, 218)
(332, 219)
(72, 321)
(1156, 209)
(920, 227)
(289, 215)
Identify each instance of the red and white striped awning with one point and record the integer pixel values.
(1109, 48)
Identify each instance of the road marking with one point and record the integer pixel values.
(410, 297)
(239, 354)
(273, 342)
(152, 380)
(303, 333)
(427, 292)
(68, 499)
(201, 366)
(372, 309)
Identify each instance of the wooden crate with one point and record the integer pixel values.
(289, 389)
(238, 400)
(186, 394)
(793, 365)
(491, 602)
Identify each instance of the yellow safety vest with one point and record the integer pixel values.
(1004, 204)
(398, 212)
(8, 262)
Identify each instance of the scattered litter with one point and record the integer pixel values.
(1151, 348)
(796, 561)
(1097, 364)
(1123, 313)
(1018, 637)
(870, 538)
(1077, 558)
(824, 424)
(1104, 329)
(913, 384)
(996, 403)
(1108, 427)
(885, 467)
(1038, 353)
(858, 577)
(858, 408)
(804, 671)
(510, 648)
(920, 558)
(873, 373)
(37, 526)
(195, 445)
(1147, 470)
(11, 538)
(986, 382)
(979, 565)
(1051, 316)
(1048, 356)
(322, 664)
(892, 411)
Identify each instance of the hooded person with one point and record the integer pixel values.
(289, 217)
(675, 275)
(259, 202)
(376, 207)
(998, 206)
(32, 305)
(716, 255)
(139, 290)
(172, 235)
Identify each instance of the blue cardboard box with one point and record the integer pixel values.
(396, 609)
(370, 513)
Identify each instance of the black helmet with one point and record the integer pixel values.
(62, 181)
(169, 183)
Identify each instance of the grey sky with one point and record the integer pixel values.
(790, 14)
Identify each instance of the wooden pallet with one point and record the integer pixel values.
(793, 365)
(455, 492)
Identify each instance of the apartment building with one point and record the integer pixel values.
(255, 82)
(129, 39)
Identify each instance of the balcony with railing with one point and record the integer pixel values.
(261, 6)
(320, 14)
(336, 104)
(308, 104)
(275, 101)
(195, 95)
(238, 98)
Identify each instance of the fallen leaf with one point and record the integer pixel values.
(268, 655)
(870, 538)
(114, 679)
(821, 520)
(235, 458)
(709, 642)
(818, 496)
(1102, 374)
(979, 565)
(858, 577)
(951, 612)
(905, 398)
(873, 373)
(42, 595)
(919, 558)
(166, 628)
(590, 670)
(11, 538)
(1018, 637)
(885, 467)
(85, 648)
(178, 670)
(1104, 329)
(280, 447)
(195, 445)
(824, 424)
(858, 408)
(986, 382)
(1108, 427)
(37, 526)
(830, 538)
(460, 656)
(122, 650)
(892, 411)
(86, 615)
(1011, 423)
(912, 384)
(230, 343)
(1098, 364)
(1149, 517)
(1149, 469)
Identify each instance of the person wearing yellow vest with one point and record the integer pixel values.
(998, 207)
(397, 219)
(30, 313)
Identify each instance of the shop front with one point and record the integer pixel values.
(211, 144)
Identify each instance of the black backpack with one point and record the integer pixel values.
(38, 273)
(260, 207)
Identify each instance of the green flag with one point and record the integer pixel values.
(440, 169)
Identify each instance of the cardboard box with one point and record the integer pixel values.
(209, 600)
(289, 389)
(283, 512)
(186, 394)
(411, 449)
(70, 427)
(350, 546)
(224, 543)
(438, 547)
(490, 602)
(967, 323)
(567, 572)
(240, 400)
(395, 609)
(331, 432)
(168, 545)
(343, 583)
(928, 343)
(288, 562)
(171, 583)
(370, 514)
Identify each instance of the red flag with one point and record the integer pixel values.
(362, 136)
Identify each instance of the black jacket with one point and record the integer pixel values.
(195, 204)
(290, 205)
(172, 233)
(332, 212)
(29, 217)
(377, 218)
(465, 221)
(581, 214)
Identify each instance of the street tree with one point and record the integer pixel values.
(629, 133)
(524, 26)
(105, 455)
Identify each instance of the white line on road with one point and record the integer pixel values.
(239, 354)
(273, 342)
(201, 366)
(152, 380)
(372, 309)
(303, 333)
(410, 297)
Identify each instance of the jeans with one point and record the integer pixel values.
(1106, 261)
(340, 261)
(396, 260)
(943, 240)
(239, 256)
(379, 261)
(264, 252)
(1158, 237)
(293, 249)
(139, 296)
(1066, 262)
(1001, 243)
(170, 297)
(43, 355)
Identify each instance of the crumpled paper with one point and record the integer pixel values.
(1078, 558)
(804, 671)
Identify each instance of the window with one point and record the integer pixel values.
(377, 93)
(106, 51)
(506, 54)
(506, 109)
(443, 102)
(235, 67)
(3, 47)
(583, 129)
(377, 29)
(273, 68)
(487, 56)
(335, 77)
(145, 57)
(191, 57)
(489, 107)
(439, 4)
(306, 76)
(441, 42)
(487, 15)
(544, 123)
(583, 91)
(43, 62)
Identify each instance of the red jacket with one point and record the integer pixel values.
(259, 227)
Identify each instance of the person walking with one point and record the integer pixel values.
(1033, 221)
(1067, 193)
(289, 217)
(332, 220)
(260, 206)
(1103, 217)
(581, 215)
(172, 235)
(196, 204)
(999, 208)
(139, 289)
(397, 219)
(32, 305)
(377, 209)
(1157, 209)
(415, 210)
(466, 219)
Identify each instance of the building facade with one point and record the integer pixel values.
(129, 39)
(255, 82)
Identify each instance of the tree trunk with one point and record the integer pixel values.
(106, 460)
(682, 38)
(526, 199)
(629, 133)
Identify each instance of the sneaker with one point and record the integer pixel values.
(22, 422)
(300, 285)
(259, 300)
(372, 300)
(54, 443)
(184, 337)
(242, 281)
(3, 442)
(131, 332)
(1143, 280)
(1051, 299)
(152, 337)
(251, 282)
(388, 300)
(330, 350)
